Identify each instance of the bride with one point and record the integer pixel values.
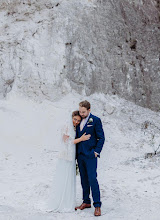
(64, 196)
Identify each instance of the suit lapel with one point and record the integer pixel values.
(78, 129)
(84, 128)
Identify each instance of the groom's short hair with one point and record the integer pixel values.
(85, 104)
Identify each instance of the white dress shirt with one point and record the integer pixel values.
(83, 122)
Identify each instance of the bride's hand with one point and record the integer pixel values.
(85, 137)
(65, 138)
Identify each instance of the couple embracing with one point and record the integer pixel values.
(83, 139)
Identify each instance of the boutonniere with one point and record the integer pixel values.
(90, 120)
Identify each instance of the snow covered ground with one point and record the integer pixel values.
(29, 142)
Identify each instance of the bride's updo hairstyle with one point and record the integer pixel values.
(75, 113)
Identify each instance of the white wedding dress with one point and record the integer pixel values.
(64, 196)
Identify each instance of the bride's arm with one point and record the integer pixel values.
(84, 137)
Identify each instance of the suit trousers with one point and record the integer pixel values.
(88, 174)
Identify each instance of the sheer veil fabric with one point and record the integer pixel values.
(63, 196)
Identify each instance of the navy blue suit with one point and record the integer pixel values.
(87, 162)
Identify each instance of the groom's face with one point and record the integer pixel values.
(84, 112)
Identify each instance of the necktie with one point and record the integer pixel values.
(82, 124)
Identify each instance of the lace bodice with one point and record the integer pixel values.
(67, 149)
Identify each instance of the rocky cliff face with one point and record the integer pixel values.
(49, 48)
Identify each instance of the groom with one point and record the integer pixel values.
(87, 153)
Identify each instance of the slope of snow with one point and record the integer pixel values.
(29, 141)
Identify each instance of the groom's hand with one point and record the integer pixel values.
(95, 154)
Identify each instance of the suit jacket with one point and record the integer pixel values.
(96, 141)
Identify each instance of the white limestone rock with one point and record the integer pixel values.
(49, 48)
